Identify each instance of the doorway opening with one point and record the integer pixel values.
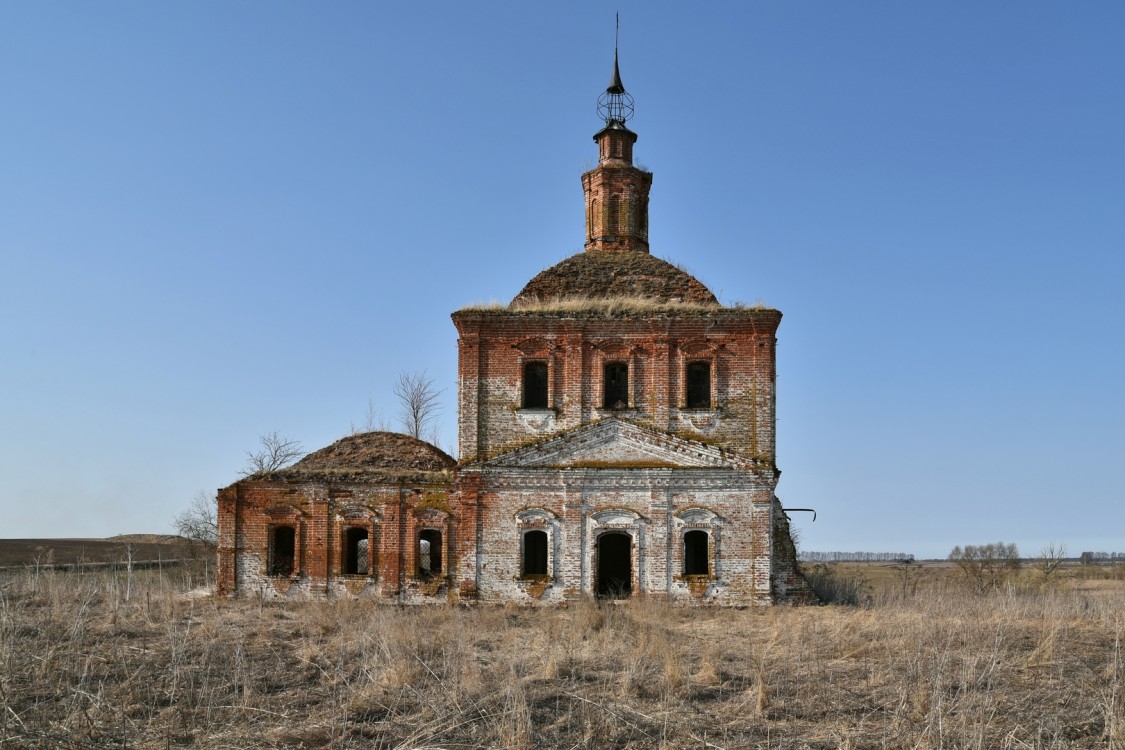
(615, 565)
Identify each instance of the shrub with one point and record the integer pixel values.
(832, 587)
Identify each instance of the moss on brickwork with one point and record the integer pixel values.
(434, 499)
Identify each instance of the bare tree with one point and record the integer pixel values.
(373, 420)
(276, 452)
(418, 402)
(199, 522)
(1051, 558)
(986, 566)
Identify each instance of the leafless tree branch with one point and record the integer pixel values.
(276, 452)
(418, 402)
(1051, 558)
(199, 521)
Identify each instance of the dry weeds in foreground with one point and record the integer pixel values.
(80, 667)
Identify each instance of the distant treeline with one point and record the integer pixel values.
(854, 556)
(1089, 558)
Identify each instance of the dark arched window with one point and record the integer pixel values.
(616, 386)
(535, 553)
(535, 385)
(695, 553)
(283, 548)
(429, 553)
(699, 385)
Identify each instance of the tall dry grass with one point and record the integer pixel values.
(84, 666)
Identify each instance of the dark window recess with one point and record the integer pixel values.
(699, 385)
(429, 553)
(283, 546)
(535, 385)
(355, 552)
(535, 553)
(616, 386)
(695, 553)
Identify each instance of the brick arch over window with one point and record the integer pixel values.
(430, 543)
(538, 537)
(699, 375)
(359, 538)
(699, 532)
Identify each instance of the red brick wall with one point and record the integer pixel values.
(321, 514)
(739, 345)
(616, 197)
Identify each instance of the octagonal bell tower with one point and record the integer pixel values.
(616, 190)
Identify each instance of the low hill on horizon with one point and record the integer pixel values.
(81, 551)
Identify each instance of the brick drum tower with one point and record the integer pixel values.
(616, 437)
(617, 424)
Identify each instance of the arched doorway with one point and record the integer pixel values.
(615, 565)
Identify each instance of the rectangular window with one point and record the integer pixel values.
(696, 553)
(698, 385)
(283, 548)
(535, 385)
(429, 553)
(535, 553)
(616, 386)
(355, 551)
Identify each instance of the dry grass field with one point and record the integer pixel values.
(98, 660)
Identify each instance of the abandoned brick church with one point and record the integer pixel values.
(616, 430)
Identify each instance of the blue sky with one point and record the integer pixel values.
(224, 219)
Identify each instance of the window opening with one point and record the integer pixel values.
(535, 385)
(535, 553)
(429, 553)
(282, 549)
(699, 385)
(695, 553)
(615, 565)
(355, 552)
(616, 386)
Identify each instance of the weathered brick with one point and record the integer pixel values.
(615, 487)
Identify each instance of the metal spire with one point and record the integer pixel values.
(615, 106)
(615, 85)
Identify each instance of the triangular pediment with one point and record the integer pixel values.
(615, 443)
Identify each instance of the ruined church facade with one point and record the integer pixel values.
(616, 437)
